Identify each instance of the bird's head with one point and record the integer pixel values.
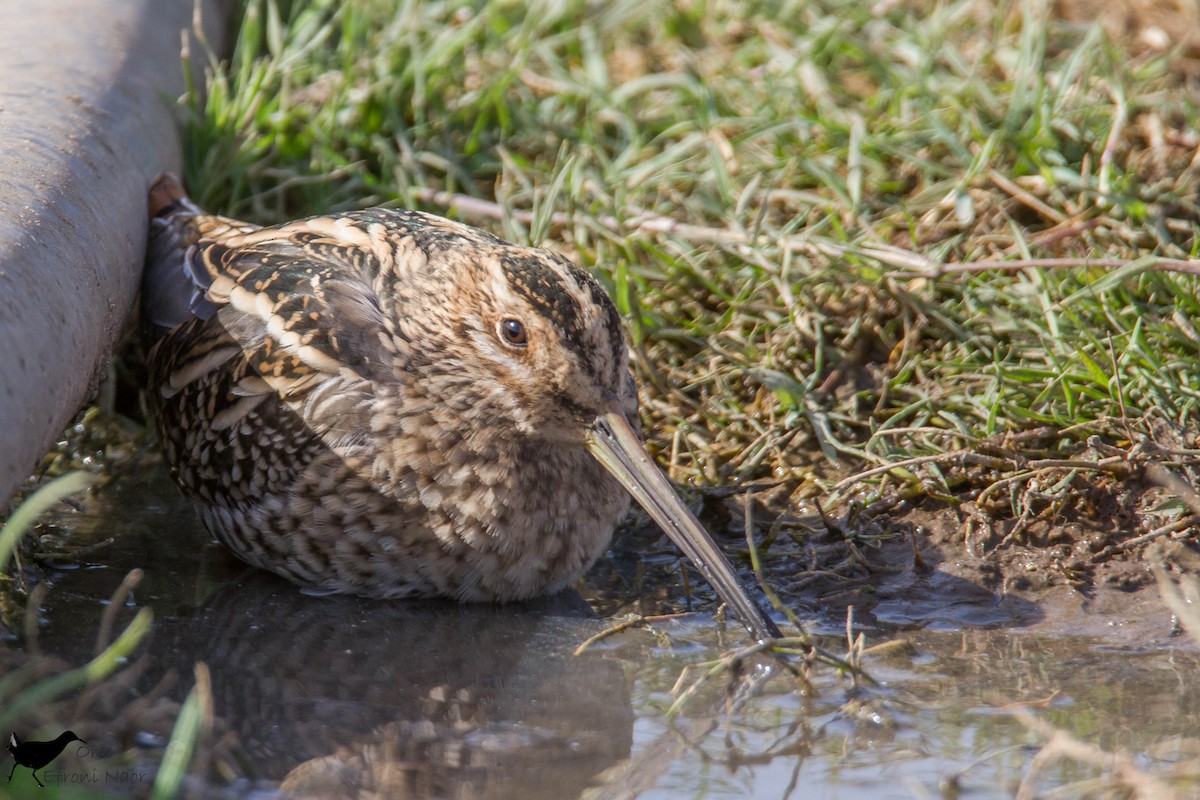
(535, 343)
(520, 334)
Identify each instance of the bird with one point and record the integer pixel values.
(391, 404)
(36, 755)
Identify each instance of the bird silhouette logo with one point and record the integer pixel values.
(36, 755)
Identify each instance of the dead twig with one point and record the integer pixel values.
(911, 264)
(1183, 598)
(1188, 266)
(1161, 476)
(115, 604)
(632, 621)
(1063, 745)
(908, 462)
(1138, 541)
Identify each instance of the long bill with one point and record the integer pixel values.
(615, 445)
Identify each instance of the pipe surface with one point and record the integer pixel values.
(88, 90)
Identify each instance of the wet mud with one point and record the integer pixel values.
(340, 697)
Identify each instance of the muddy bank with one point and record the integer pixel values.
(930, 565)
(1081, 568)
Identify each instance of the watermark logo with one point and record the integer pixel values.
(36, 755)
(39, 755)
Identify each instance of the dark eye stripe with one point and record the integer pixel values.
(545, 291)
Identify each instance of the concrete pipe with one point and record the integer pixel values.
(87, 96)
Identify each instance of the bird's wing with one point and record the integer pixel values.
(296, 307)
(13, 741)
(172, 291)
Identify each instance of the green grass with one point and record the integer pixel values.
(767, 190)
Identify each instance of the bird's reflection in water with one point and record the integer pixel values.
(341, 697)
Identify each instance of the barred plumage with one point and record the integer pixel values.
(391, 404)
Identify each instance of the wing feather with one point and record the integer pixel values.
(295, 304)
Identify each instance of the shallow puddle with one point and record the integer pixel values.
(331, 697)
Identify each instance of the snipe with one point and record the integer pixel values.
(391, 404)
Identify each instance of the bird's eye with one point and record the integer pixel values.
(513, 332)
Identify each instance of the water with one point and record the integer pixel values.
(330, 697)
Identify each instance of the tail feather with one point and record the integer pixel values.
(172, 292)
(167, 197)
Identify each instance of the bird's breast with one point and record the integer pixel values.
(524, 518)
